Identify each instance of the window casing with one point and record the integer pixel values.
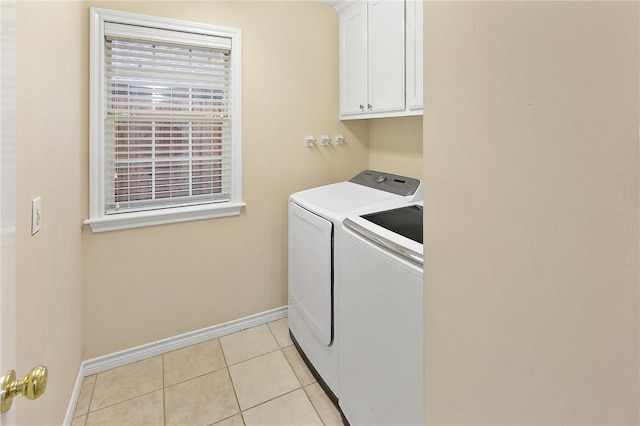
(165, 121)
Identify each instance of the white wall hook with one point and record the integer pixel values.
(309, 140)
(324, 140)
(340, 139)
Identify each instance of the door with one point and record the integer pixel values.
(310, 271)
(7, 193)
(386, 56)
(353, 59)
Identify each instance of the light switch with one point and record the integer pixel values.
(36, 215)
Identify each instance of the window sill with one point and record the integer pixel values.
(162, 217)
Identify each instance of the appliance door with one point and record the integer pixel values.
(310, 270)
(380, 365)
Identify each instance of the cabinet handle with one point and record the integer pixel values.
(361, 107)
(369, 107)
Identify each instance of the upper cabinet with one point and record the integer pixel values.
(380, 58)
(414, 54)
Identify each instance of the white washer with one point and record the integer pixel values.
(314, 217)
(379, 297)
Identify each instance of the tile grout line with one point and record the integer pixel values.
(122, 402)
(231, 380)
(199, 375)
(304, 388)
(286, 393)
(276, 397)
(95, 385)
(226, 418)
(254, 357)
(292, 370)
(195, 377)
(257, 356)
(164, 397)
(93, 389)
(86, 415)
(273, 335)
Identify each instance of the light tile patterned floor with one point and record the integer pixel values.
(253, 377)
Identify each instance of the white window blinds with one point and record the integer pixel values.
(167, 135)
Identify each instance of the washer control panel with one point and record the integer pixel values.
(395, 184)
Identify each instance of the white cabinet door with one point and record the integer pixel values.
(414, 54)
(386, 56)
(353, 59)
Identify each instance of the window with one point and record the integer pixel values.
(165, 114)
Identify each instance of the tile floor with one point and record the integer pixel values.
(252, 377)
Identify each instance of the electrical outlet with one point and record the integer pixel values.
(36, 215)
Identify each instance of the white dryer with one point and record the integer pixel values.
(314, 217)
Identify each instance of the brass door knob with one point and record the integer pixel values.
(32, 386)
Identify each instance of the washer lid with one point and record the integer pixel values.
(398, 230)
(342, 198)
(406, 221)
(367, 190)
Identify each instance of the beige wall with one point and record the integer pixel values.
(395, 145)
(531, 213)
(146, 284)
(51, 129)
(151, 283)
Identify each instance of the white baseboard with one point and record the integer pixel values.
(127, 356)
(75, 394)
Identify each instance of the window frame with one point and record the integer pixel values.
(98, 219)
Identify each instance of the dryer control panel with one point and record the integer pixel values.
(395, 184)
